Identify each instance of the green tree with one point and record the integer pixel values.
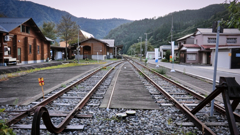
(167, 56)
(48, 29)
(67, 30)
(234, 10)
(136, 48)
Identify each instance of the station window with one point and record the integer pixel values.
(191, 56)
(38, 49)
(211, 40)
(231, 40)
(25, 29)
(30, 49)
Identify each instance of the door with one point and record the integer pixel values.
(208, 57)
(235, 58)
(19, 54)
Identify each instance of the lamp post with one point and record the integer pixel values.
(141, 49)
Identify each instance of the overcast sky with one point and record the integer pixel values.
(126, 9)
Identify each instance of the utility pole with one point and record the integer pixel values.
(141, 49)
(215, 66)
(78, 44)
(138, 42)
(146, 43)
(172, 47)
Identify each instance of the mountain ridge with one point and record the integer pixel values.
(184, 22)
(40, 13)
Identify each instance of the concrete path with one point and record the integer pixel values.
(202, 71)
(129, 92)
(25, 89)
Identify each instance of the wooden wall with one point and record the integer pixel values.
(22, 40)
(95, 47)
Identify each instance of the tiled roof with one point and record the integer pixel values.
(11, 23)
(2, 29)
(186, 36)
(109, 41)
(191, 46)
(225, 31)
(211, 46)
(86, 34)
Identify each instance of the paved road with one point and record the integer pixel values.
(203, 71)
(25, 89)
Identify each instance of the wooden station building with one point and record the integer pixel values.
(93, 48)
(22, 40)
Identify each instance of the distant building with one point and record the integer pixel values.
(21, 40)
(164, 48)
(199, 48)
(93, 48)
(59, 51)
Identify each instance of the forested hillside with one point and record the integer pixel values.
(184, 22)
(40, 13)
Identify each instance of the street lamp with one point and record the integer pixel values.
(141, 49)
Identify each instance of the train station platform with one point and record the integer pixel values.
(129, 93)
(25, 89)
(21, 67)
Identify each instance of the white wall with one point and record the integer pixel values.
(224, 60)
(204, 58)
(192, 49)
(222, 40)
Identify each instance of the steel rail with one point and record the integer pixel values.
(22, 115)
(185, 110)
(218, 108)
(42, 112)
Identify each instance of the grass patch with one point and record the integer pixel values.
(106, 68)
(161, 70)
(113, 59)
(4, 129)
(64, 85)
(19, 73)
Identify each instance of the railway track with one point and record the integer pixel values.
(62, 105)
(185, 99)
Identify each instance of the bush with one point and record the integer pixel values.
(168, 55)
(164, 60)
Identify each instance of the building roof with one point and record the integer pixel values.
(3, 30)
(86, 34)
(213, 46)
(119, 46)
(48, 39)
(11, 23)
(226, 47)
(167, 47)
(92, 38)
(191, 46)
(109, 41)
(225, 31)
(186, 36)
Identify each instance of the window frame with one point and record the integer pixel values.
(38, 49)
(230, 39)
(30, 49)
(212, 40)
(192, 54)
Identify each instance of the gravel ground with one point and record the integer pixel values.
(161, 121)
